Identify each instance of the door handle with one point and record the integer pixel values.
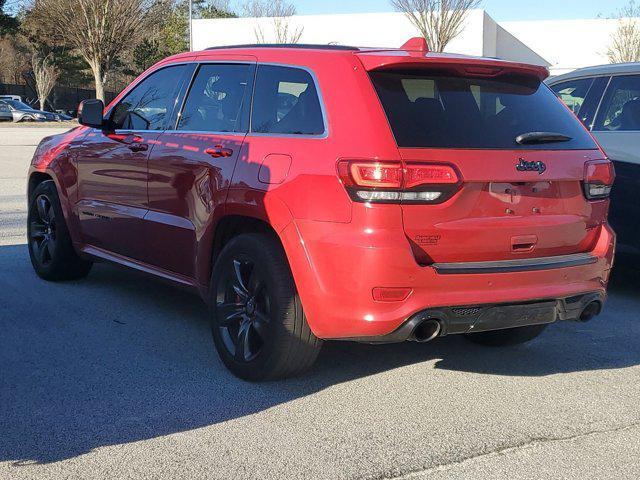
(219, 151)
(138, 147)
(133, 142)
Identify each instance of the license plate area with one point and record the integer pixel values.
(522, 192)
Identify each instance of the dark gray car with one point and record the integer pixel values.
(21, 112)
(5, 113)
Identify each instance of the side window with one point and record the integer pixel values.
(216, 98)
(583, 97)
(573, 92)
(286, 102)
(620, 110)
(150, 104)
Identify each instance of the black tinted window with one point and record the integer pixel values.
(573, 93)
(150, 104)
(620, 110)
(216, 98)
(444, 111)
(286, 102)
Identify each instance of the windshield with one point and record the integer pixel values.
(16, 104)
(439, 110)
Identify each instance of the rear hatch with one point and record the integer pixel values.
(520, 192)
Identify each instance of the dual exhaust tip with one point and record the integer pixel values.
(430, 328)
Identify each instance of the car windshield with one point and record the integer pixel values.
(17, 104)
(433, 109)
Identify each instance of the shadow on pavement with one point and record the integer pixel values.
(119, 358)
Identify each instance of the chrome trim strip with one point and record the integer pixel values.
(519, 265)
(207, 133)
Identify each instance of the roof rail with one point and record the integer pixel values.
(304, 46)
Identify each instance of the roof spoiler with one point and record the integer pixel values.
(466, 66)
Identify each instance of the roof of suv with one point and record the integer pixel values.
(304, 46)
(599, 70)
(414, 53)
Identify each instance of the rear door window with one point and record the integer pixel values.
(620, 109)
(217, 98)
(583, 96)
(286, 102)
(440, 110)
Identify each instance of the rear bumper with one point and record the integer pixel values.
(337, 266)
(482, 318)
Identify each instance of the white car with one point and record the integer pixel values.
(607, 101)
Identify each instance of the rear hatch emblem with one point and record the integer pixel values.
(524, 166)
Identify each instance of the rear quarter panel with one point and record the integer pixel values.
(355, 128)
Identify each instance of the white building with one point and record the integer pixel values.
(561, 45)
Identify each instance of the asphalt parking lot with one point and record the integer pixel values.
(116, 377)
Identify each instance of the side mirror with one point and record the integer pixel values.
(90, 113)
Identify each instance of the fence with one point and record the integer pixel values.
(61, 98)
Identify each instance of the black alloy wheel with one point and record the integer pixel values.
(50, 246)
(259, 327)
(243, 309)
(42, 231)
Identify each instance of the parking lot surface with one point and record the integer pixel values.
(115, 376)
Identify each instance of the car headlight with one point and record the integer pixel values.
(40, 116)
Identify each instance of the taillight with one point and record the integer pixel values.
(390, 182)
(598, 179)
(376, 175)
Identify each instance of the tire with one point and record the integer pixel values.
(507, 337)
(50, 248)
(258, 324)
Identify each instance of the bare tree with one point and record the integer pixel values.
(14, 58)
(438, 21)
(100, 30)
(280, 12)
(45, 74)
(625, 43)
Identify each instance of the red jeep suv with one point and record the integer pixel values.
(315, 193)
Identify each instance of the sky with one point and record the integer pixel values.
(500, 10)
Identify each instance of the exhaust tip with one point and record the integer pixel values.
(426, 331)
(590, 311)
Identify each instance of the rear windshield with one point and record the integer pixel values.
(439, 110)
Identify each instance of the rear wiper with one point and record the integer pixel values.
(541, 137)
